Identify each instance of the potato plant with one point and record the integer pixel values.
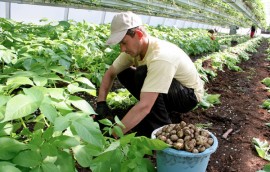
(186, 137)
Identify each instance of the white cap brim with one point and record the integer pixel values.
(115, 38)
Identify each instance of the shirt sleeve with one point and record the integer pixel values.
(122, 62)
(159, 77)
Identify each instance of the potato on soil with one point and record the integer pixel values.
(186, 137)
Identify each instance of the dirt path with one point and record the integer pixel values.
(241, 96)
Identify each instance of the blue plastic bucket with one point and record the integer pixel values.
(172, 160)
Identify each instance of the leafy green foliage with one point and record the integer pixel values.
(266, 104)
(266, 168)
(209, 100)
(266, 81)
(262, 148)
(121, 99)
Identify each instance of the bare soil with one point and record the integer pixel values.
(242, 94)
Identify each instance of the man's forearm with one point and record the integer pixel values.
(106, 85)
(139, 111)
(134, 117)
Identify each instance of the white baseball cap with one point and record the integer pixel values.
(120, 24)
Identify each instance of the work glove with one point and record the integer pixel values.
(102, 110)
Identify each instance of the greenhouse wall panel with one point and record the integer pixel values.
(179, 23)
(146, 19)
(156, 21)
(2, 9)
(169, 22)
(188, 24)
(108, 17)
(24, 12)
(86, 15)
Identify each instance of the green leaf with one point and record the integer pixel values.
(86, 81)
(26, 74)
(101, 167)
(4, 99)
(88, 132)
(40, 81)
(48, 133)
(84, 154)
(74, 89)
(213, 98)
(37, 138)
(10, 148)
(63, 106)
(6, 129)
(7, 56)
(266, 104)
(204, 104)
(108, 161)
(8, 167)
(20, 106)
(262, 148)
(56, 93)
(118, 131)
(65, 24)
(118, 122)
(49, 167)
(126, 139)
(266, 81)
(28, 158)
(65, 142)
(59, 69)
(49, 151)
(81, 104)
(61, 123)
(49, 111)
(19, 81)
(65, 162)
(266, 168)
(35, 93)
(145, 166)
(53, 77)
(28, 61)
(106, 122)
(114, 145)
(151, 144)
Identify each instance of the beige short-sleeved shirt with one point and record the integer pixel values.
(164, 61)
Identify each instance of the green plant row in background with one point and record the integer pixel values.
(80, 46)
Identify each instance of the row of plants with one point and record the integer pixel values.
(262, 147)
(44, 126)
(266, 82)
(80, 46)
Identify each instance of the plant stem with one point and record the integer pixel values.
(23, 123)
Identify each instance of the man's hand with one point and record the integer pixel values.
(102, 110)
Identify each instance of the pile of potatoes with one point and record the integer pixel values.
(186, 137)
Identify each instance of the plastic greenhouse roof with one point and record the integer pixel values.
(267, 10)
(12, 10)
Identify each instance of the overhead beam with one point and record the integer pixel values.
(240, 6)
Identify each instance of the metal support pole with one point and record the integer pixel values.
(8, 6)
(66, 13)
(103, 17)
